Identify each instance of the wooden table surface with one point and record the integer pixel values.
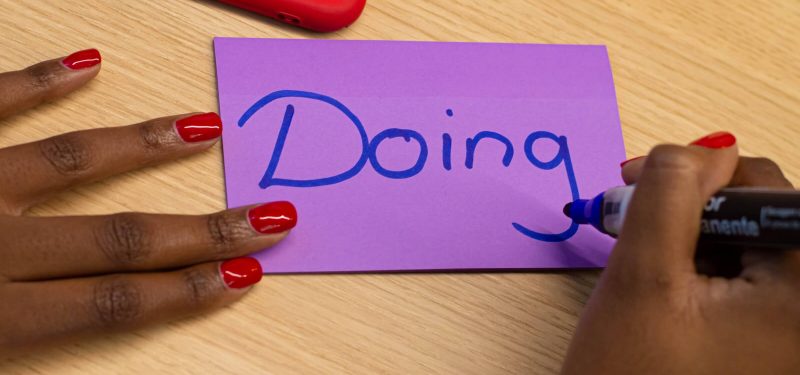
(682, 69)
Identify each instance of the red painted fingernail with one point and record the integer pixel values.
(198, 128)
(241, 272)
(716, 140)
(629, 160)
(82, 59)
(273, 217)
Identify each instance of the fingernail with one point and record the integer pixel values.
(82, 59)
(716, 140)
(629, 160)
(273, 217)
(198, 128)
(241, 272)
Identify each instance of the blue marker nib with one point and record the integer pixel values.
(587, 211)
(577, 211)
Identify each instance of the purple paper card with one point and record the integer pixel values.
(407, 156)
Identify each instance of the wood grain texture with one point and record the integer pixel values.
(682, 69)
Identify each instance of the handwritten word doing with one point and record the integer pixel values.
(369, 153)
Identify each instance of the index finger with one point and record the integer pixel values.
(47, 80)
(662, 225)
(57, 247)
(750, 171)
(48, 312)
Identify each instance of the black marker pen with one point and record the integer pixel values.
(738, 216)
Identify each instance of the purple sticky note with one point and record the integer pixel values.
(404, 156)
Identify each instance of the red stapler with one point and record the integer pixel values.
(317, 15)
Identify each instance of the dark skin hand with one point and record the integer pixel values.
(664, 305)
(62, 278)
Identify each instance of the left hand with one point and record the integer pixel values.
(65, 277)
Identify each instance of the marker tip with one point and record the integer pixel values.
(567, 207)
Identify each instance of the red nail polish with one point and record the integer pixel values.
(629, 160)
(82, 59)
(198, 128)
(241, 272)
(273, 217)
(716, 140)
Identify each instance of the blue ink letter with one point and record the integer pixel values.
(473, 142)
(447, 145)
(561, 156)
(268, 179)
(407, 134)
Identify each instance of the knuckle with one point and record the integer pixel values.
(766, 168)
(123, 239)
(632, 283)
(68, 153)
(7, 339)
(155, 137)
(674, 158)
(41, 76)
(660, 282)
(117, 301)
(202, 286)
(11, 207)
(227, 229)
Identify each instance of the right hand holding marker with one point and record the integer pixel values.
(663, 305)
(64, 277)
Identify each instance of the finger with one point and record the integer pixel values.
(45, 312)
(719, 260)
(659, 236)
(632, 168)
(759, 172)
(46, 81)
(759, 265)
(58, 247)
(749, 172)
(31, 172)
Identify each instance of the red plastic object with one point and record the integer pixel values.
(317, 15)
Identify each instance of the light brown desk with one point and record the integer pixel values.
(682, 69)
